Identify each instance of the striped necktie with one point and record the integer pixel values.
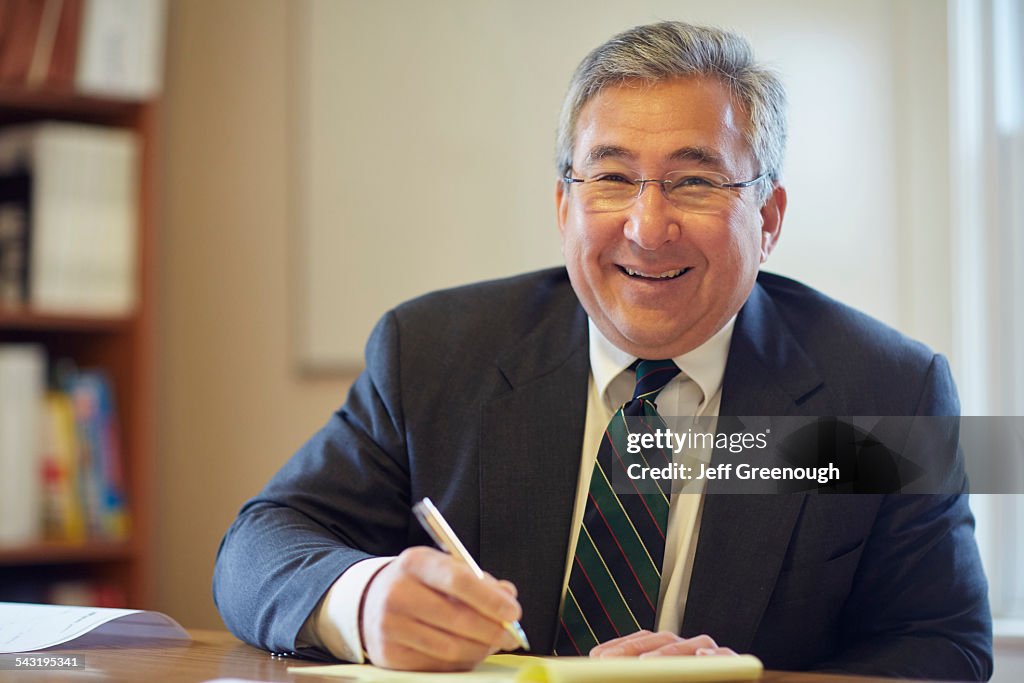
(616, 571)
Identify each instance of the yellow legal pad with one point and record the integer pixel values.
(526, 669)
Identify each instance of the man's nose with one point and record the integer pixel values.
(652, 221)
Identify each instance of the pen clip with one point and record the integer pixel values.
(423, 510)
(443, 535)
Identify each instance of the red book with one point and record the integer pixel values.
(64, 58)
(6, 17)
(24, 18)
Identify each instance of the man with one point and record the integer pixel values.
(493, 399)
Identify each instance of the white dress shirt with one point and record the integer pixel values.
(696, 391)
(334, 624)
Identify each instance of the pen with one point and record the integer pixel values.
(431, 520)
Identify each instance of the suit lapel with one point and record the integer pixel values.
(768, 372)
(743, 538)
(529, 464)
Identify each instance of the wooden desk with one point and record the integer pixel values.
(217, 654)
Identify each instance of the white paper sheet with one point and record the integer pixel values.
(27, 627)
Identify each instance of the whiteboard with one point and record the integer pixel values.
(422, 146)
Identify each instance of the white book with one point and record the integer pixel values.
(84, 215)
(121, 48)
(22, 381)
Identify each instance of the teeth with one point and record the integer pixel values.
(660, 276)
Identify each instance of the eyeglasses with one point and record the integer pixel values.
(689, 191)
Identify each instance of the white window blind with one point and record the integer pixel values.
(987, 209)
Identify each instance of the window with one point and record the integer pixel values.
(987, 174)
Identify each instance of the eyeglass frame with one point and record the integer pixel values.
(662, 183)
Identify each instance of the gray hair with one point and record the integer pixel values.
(672, 49)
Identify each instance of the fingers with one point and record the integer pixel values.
(704, 651)
(682, 647)
(442, 613)
(427, 611)
(660, 644)
(635, 644)
(454, 579)
(507, 642)
(411, 644)
(686, 648)
(508, 587)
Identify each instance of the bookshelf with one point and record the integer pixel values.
(120, 345)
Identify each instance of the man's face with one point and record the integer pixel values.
(658, 281)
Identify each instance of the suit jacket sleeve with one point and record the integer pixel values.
(918, 606)
(343, 497)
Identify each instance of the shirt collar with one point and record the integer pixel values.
(705, 364)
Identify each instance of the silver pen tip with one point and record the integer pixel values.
(521, 634)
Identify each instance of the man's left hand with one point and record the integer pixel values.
(660, 644)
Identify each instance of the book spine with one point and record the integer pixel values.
(82, 215)
(113, 513)
(121, 48)
(15, 236)
(22, 372)
(25, 17)
(86, 594)
(46, 36)
(100, 469)
(65, 48)
(63, 518)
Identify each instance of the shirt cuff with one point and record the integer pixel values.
(334, 624)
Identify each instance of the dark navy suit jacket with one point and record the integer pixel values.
(476, 397)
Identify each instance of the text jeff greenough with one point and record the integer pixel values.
(700, 471)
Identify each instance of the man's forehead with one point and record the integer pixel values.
(682, 120)
(701, 155)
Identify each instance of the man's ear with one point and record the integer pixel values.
(561, 204)
(772, 212)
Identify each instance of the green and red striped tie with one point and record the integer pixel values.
(616, 572)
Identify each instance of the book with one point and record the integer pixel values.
(23, 19)
(22, 380)
(39, 42)
(86, 594)
(15, 208)
(82, 214)
(61, 469)
(107, 48)
(64, 57)
(101, 480)
(46, 37)
(121, 48)
(63, 514)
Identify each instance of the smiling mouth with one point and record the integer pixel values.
(666, 275)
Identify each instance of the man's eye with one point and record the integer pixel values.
(612, 178)
(692, 181)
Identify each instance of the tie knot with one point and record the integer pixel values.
(652, 376)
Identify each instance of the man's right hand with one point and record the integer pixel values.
(426, 611)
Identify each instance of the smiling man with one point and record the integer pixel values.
(493, 400)
(660, 273)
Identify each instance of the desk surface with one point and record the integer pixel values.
(217, 654)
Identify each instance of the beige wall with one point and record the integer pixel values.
(230, 407)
